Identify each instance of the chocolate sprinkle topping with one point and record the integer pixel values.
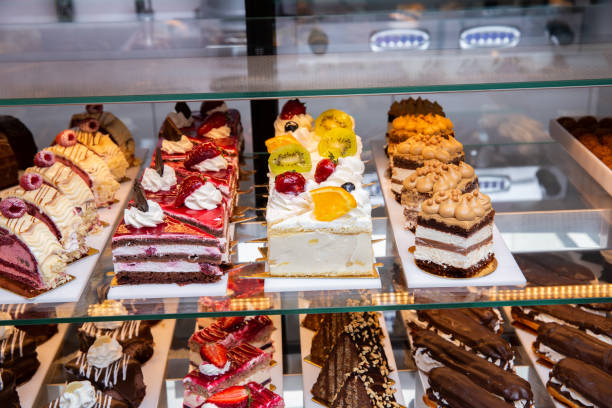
(139, 198)
(183, 108)
(159, 164)
(170, 132)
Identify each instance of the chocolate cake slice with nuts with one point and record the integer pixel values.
(367, 390)
(332, 326)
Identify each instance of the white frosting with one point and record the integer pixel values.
(206, 197)
(424, 361)
(573, 393)
(180, 120)
(78, 394)
(152, 181)
(139, 219)
(210, 405)
(5, 331)
(219, 133)
(307, 138)
(546, 318)
(220, 108)
(104, 352)
(215, 164)
(212, 370)
(181, 146)
(303, 120)
(349, 169)
(108, 308)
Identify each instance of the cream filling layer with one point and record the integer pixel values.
(573, 393)
(443, 257)
(162, 267)
(166, 249)
(452, 239)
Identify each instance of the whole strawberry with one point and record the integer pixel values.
(214, 353)
(292, 107)
(290, 182)
(325, 168)
(213, 121)
(201, 152)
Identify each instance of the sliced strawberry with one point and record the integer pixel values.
(228, 323)
(201, 152)
(215, 120)
(237, 396)
(214, 353)
(186, 188)
(292, 107)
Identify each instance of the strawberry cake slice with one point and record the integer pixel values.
(222, 368)
(251, 395)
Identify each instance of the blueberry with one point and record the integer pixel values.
(348, 187)
(291, 126)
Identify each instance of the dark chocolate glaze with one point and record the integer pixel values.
(8, 391)
(21, 140)
(587, 380)
(576, 317)
(551, 270)
(411, 106)
(486, 316)
(134, 336)
(19, 355)
(575, 343)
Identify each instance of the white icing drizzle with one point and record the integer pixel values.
(1, 382)
(102, 401)
(108, 374)
(128, 330)
(14, 310)
(16, 337)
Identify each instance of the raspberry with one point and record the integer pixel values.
(66, 138)
(44, 158)
(31, 181)
(89, 125)
(12, 208)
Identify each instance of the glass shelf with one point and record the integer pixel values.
(564, 223)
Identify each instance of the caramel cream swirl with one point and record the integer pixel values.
(453, 204)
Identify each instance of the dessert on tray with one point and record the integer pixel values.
(109, 370)
(39, 332)
(250, 395)
(292, 117)
(331, 326)
(406, 127)
(434, 176)
(454, 234)
(578, 384)
(83, 394)
(312, 321)
(17, 352)
(8, 389)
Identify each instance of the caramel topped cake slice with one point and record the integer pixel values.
(89, 135)
(409, 155)
(413, 107)
(454, 234)
(434, 176)
(580, 385)
(408, 126)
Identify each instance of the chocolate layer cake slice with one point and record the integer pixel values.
(8, 390)
(556, 341)
(368, 390)
(431, 351)
(134, 336)
(454, 234)
(465, 332)
(592, 324)
(580, 385)
(332, 326)
(451, 389)
(18, 354)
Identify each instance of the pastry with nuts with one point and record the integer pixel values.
(454, 234)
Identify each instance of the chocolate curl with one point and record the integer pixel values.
(183, 108)
(170, 132)
(159, 164)
(139, 198)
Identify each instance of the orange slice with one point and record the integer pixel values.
(332, 202)
(279, 141)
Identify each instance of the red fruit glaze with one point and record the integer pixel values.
(30, 181)
(234, 397)
(201, 152)
(290, 182)
(227, 323)
(324, 169)
(214, 353)
(66, 138)
(213, 121)
(13, 207)
(186, 188)
(44, 158)
(292, 107)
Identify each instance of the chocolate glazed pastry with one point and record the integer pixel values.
(18, 354)
(8, 391)
(570, 377)
(574, 343)
(103, 400)
(550, 270)
(134, 336)
(451, 389)
(500, 382)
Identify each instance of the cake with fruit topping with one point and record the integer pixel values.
(250, 395)
(432, 177)
(31, 256)
(55, 210)
(454, 234)
(292, 117)
(222, 368)
(83, 394)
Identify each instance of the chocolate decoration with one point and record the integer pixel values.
(590, 382)
(494, 379)
(159, 163)
(459, 391)
(575, 343)
(169, 131)
(140, 199)
(411, 106)
(323, 341)
(207, 106)
(8, 391)
(182, 107)
(574, 316)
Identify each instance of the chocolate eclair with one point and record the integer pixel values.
(557, 341)
(601, 309)
(8, 390)
(580, 385)
(487, 316)
(533, 316)
(451, 389)
(465, 332)
(431, 351)
(543, 269)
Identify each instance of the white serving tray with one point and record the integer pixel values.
(309, 284)
(82, 269)
(507, 273)
(585, 158)
(310, 372)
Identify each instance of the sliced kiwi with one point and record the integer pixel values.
(338, 142)
(331, 119)
(290, 157)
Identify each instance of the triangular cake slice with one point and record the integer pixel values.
(367, 390)
(312, 321)
(323, 341)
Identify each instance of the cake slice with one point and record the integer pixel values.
(367, 390)
(134, 336)
(250, 395)
(427, 125)
(412, 107)
(578, 384)
(332, 325)
(434, 176)
(449, 388)
(238, 365)
(454, 234)
(18, 353)
(8, 390)
(89, 135)
(231, 332)
(31, 255)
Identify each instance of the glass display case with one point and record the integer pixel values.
(503, 72)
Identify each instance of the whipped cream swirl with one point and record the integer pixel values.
(78, 394)
(206, 197)
(152, 181)
(219, 133)
(349, 169)
(139, 219)
(109, 307)
(104, 352)
(220, 108)
(209, 369)
(182, 146)
(180, 120)
(5, 331)
(215, 164)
